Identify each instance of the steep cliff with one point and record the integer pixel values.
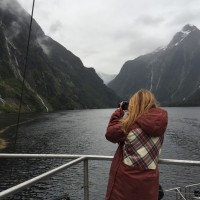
(172, 73)
(55, 78)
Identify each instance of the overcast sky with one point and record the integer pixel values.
(104, 34)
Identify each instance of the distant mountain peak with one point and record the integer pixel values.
(106, 77)
(189, 28)
(180, 36)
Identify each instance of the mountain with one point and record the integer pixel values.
(56, 79)
(193, 100)
(172, 73)
(106, 77)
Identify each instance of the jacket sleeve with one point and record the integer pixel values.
(114, 133)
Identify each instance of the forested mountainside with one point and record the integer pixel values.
(172, 73)
(56, 79)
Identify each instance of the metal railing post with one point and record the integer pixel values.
(185, 192)
(180, 195)
(190, 195)
(177, 195)
(86, 180)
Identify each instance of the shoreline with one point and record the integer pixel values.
(3, 141)
(2, 130)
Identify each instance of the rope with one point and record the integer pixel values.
(24, 75)
(22, 90)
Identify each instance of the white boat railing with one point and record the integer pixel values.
(84, 159)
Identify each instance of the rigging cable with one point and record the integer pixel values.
(23, 83)
(24, 74)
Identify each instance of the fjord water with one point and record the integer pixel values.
(82, 132)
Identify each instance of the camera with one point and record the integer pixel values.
(124, 105)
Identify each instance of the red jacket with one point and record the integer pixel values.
(126, 182)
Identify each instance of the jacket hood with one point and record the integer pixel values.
(154, 122)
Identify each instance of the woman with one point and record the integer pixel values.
(134, 171)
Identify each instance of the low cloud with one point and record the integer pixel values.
(150, 20)
(13, 7)
(42, 41)
(185, 17)
(55, 27)
(4, 4)
(13, 31)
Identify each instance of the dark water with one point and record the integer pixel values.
(82, 132)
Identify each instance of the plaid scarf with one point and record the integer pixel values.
(141, 150)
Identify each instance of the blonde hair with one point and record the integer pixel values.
(139, 103)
